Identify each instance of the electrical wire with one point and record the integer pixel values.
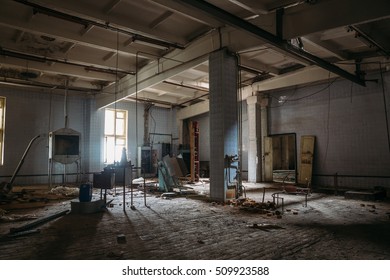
(116, 89)
(327, 123)
(383, 92)
(136, 107)
(239, 121)
(385, 105)
(303, 97)
(155, 125)
(283, 102)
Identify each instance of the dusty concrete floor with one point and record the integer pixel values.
(329, 228)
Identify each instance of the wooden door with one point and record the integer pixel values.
(306, 160)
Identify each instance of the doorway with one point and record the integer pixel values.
(280, 158)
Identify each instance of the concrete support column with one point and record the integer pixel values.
(254, 146)
(263, 131)
(223, 69)
(258, 129)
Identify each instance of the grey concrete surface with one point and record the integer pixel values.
(330, 228)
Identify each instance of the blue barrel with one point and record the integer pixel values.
(85, 193)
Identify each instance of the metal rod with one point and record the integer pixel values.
(46, 59)
(39, 222)
(263, 194)
(144, 191)
(131, 197)
(124, 189)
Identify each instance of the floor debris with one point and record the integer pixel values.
(65, 191)
(38, 222)
(25, 197)
(117, 256)
(121, 239)
(147, 237)
(264, 227)
(16, 217)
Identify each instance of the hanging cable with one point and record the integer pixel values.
(136, 106)
(49, 164)
(66, 102)
(116, 91)
(327, 124)
(304, 97)
(385, 105)
(239, 126)
(383, 92)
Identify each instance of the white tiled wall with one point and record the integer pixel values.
(29, 113)
(349, 123)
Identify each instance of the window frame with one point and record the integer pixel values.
(114, 135)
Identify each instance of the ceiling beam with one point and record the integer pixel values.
(130, 86)
(304, 76)
(110, 7)
(325, 46)
(283, 4)
(277, 42)
(160, 19)
(90, 15)
(258, 66)
(306, 19)
(63, 33)
(189, 13)
(63, 67)
(193, 110)
(255, 7)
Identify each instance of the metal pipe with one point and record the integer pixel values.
(42, 59)
(124, 188)
(352, 176)
(39, 222)
(186, 86)
(165, 134)
(6, 187)
(32, 84)
(145, 191)
(369, 39)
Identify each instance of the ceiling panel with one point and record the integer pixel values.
(158, 43)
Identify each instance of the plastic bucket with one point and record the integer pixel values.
(85, 193)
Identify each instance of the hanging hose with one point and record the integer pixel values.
(6, 187)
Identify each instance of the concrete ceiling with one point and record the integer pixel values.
(157, 50)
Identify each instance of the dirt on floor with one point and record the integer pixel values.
(149, 225)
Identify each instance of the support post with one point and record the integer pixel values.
(223, 120)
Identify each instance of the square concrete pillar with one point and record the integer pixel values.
(223, 70)
(254, 139)
(257, 130)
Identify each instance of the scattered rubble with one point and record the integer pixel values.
(15, 217)
(264, 227)
(121, 239)
(24, 197)
(253, 206)
(65, 191)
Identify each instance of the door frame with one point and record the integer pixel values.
(295, 153)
